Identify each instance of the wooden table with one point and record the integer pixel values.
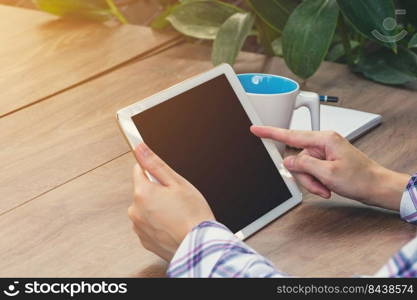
(65, 169)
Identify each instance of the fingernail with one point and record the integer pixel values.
(324, 195)
(289, 162)
(143, 150)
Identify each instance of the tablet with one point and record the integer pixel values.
(200, 127)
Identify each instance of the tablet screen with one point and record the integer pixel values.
(203, 134)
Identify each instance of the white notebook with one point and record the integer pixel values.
(349, 123)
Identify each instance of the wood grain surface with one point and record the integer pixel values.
(44, 55)
(19, 3)
(78, 230)
(50, 143)
(67, 183)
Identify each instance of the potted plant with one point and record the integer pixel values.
(375, 38)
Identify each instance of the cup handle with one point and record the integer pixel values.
(312, 102)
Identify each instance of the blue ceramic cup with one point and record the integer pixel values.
(275, 98)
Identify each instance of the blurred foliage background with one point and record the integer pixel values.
(377, 38)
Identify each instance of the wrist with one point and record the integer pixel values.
(190, 225)
(388, 188)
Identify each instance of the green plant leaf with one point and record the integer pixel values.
(160, 22)
(164, 3)
(266, 35)
(410, 7)
(308, 35)
(413, 42)
(337, 51)
(277, 46)
(97, 10)
(274, 13)
(230, 38)
(386, 67)
(201, 19)
(371, 18)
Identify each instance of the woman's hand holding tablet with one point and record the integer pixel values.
(163, 213)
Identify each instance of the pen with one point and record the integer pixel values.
(324, 98)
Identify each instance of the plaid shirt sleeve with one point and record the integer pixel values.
(212, 250)
(404, 262)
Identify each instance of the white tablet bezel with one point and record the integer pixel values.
(124, 117)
